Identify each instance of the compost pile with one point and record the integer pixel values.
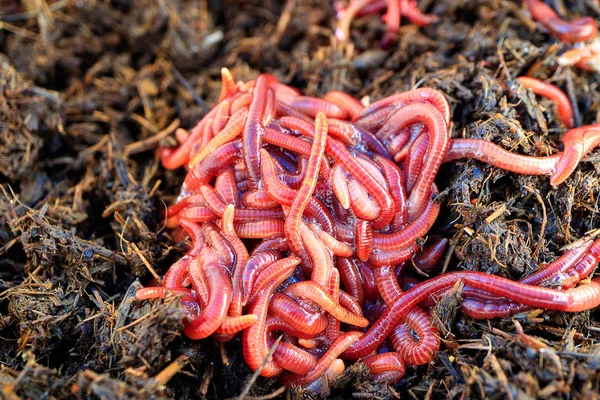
(92, 90)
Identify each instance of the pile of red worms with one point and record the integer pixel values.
(303, 212)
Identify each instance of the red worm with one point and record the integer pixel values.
(368, 280)
(294, 359)
(172, 159)
(495, 155)
(393, 257)
(312, 106)
(288, 142)
(270, 107)
(285, 195)
(415, 229)
(416, 16)
(393, 176)
(255, 264)
(194, 199)
(415, 160)
(339, 185)
(278, 268)
(197, 235)
(423, 351)
(283, 110)
(222, 117)
(322, 261)
(241, 102)
(581, 298)
(373, 169)
(226, 187)
(321, 384)
(423, 95)
(566, 271)
(176, 274)
(417, 320)
(337, 248)
(241, 256)
(254, 129)
(351, 279)
(293, 313)
(346, 102)
(578, 30)
(361, 203)
(386, 367)
(203, 172)
(578, 143)
(431, 255)
(222, 248)
(264, 229)
(219, 288)
(345, 340)
(333, 327)
(294, 180)
(313, 291)
(371, 142)
(233, 325)
(304, 194)
(258, 198)
(255, 341)
(342, 32)
(436, 149)
(343, 131)
(160, 292)
(364, 239)
(276, 243)
(228, 87)
(552, 92)
(197, 278)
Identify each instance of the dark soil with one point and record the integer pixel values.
(89, 89)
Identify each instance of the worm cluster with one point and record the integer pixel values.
(301, 221)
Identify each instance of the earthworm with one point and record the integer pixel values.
(581, 298)
(304, 194)
(577, 30)
(346, 102)
(211, 317)
(227, 84)
(495, 155)
(431, 255)
(387, 367)
(345, 340)
(254, 129)
(312, 106)
(255, 264)
(313, 291)
(290, 311)
(264, 229)
(226, 187)
(233, 129)
(364, 239)
(351, 278)
(578, 143)
(255, 342)
(294, 359)
(552, 92)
